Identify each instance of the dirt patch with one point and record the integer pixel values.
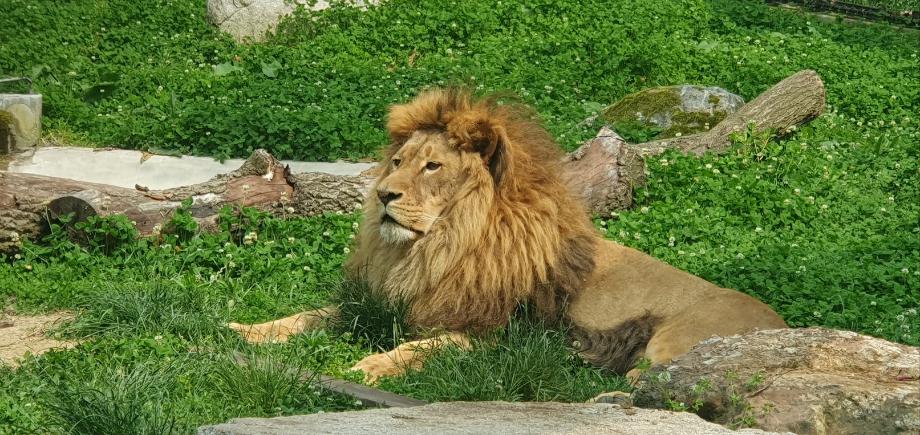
(20, 335)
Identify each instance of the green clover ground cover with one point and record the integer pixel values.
(823, 225)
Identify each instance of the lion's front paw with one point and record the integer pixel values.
(379, 365)
(260, 333)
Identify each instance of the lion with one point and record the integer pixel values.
(469, 218)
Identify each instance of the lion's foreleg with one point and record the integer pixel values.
(278, 331)
(409, 355)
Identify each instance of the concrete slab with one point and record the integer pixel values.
(126, 168)
(487, 418)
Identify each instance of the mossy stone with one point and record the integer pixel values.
(668, 111)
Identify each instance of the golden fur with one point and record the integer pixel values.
(469, 217)
(509, 230)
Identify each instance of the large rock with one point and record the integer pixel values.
(668, 111)
(481, 418)
(251, 19)
(807, 381)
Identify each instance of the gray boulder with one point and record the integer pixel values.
(807, 381)
(482, 418)
(249, 20)
(670, 111)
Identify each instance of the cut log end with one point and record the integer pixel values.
(78, 205)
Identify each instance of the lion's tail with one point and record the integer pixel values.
(617, 349)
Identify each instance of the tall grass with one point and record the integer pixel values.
(525, 361)
(118, 401)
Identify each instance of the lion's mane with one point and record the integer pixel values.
(513, 233)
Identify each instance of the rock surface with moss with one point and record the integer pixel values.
(802, 380)
(670, 111)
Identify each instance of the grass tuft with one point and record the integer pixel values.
(369, 316)
(265, 382)
(117, 402)
(525, 361)
(144, 308)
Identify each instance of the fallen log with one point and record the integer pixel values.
(604, 171)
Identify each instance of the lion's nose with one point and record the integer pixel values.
(386, 196)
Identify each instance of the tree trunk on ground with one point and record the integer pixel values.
(603, 171)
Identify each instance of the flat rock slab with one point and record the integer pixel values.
(482, 418)
(126, 168)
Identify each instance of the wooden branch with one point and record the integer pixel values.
(792, 102)
(604, 171)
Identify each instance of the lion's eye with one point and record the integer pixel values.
(433, 166)
(396, 163)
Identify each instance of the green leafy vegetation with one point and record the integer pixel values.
(822, 225)
(525, 361)
(156, 76)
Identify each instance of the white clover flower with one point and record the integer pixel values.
(904, 270)
(327, 233)
(758, 229)
(346, 250)
(354, 225)
(291, 239)
(739, 256)
(307, 268)
(796, 191)
(911, 311)
(816, 314)
(644, 210)
(709, 166)
(900, 317)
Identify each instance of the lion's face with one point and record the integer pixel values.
(419, 182)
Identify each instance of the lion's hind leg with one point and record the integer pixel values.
(280, 330)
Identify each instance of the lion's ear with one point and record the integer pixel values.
(475, 131)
